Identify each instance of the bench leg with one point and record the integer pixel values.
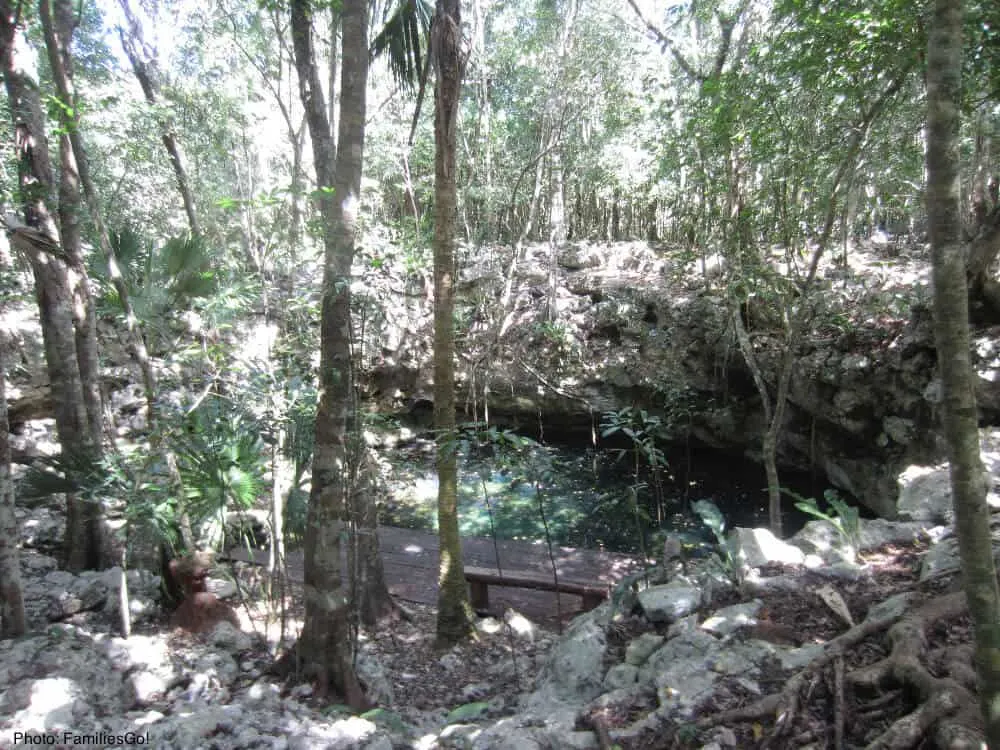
(479, 596)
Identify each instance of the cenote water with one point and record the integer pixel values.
(589, 498)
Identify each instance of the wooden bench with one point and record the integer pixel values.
(480, 579)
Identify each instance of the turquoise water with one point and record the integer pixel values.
(587, 499)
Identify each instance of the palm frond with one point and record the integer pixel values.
(400, 41)
(187, 268)
(62, 473)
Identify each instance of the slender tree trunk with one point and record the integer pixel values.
(333, 72)
(12, 622)
(455, 614)
(557, 198)
(557, 232)
(325, 642)
(484, 114)
(370, 590)
(144, 65)
(38, 241)
(84, 316)
(951, 331)
(58, 29)
(70, 210)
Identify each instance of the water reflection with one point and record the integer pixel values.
(586, 498)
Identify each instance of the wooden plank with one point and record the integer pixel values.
(411, 565)
(480, 578)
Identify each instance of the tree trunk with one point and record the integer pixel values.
(37, 240)
(371, 592)
(57, 24)
(84, 316)
(11, 599)
(325, 642)
(951, 331)
(455, 617)
(557, 198)
(144, 64)
(484, 119)
(557, 232)
(369, 589)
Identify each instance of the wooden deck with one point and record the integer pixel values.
(411, 562)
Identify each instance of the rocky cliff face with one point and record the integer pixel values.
(636, 329)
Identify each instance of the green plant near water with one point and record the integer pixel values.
(643, 430)
(712, 517)
(843, 517)
(507, 448)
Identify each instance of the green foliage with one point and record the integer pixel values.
(843, 517)
(150, 508)
(135, 481)
(300, 425)
(643, 430)
(467, 712)
(712, 517)
(389, 720)
(299, 439)
(553, 333)
(638, 425)
(406, 25)
(296, 516)
(221, 459)
(62, 473)
(162, 279)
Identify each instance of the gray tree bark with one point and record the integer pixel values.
(325, 642)
(38, 240)
(58, 26)
(455, 616)
(951, 332)
(12, 622)
(70, 211)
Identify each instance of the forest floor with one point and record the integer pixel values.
(499, 667)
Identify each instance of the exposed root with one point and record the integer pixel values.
(946, 713)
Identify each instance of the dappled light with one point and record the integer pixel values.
(453, 373)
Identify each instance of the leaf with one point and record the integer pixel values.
(832, 598)
(401, 38)
(388, 719)
(712, 517)
(467, 712)
(810, 507)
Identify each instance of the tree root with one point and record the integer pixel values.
(947, 712)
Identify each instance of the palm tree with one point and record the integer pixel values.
(400, 43)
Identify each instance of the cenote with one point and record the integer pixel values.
(589, 498)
